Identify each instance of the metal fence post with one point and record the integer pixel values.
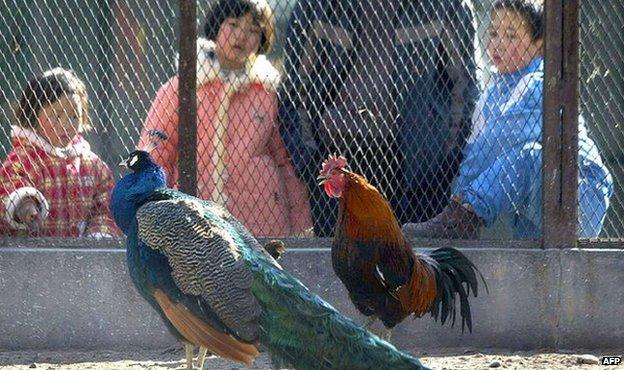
(560, 135)
(187, 125)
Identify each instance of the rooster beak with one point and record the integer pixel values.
(321, 179)
(123, 163)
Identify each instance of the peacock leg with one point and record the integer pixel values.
(201, 357)
(188, 348)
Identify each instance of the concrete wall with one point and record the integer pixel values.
(83, 298)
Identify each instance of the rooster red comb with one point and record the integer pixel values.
(333, 162)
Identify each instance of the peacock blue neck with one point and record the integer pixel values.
(131, 192)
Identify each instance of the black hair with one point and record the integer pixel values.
(47, 88)
(531, 10)
(218, 11)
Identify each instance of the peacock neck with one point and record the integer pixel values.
(122, 210)
(131, 192)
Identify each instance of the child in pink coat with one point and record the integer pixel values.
(51, 183)
(242, 162)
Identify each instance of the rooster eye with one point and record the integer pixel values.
(133, 160)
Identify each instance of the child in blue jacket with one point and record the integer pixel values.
(501, 169)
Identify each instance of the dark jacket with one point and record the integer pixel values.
(398, 77)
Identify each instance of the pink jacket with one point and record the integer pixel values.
(72, 186)
(259, 184)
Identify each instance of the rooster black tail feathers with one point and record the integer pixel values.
(455, 275)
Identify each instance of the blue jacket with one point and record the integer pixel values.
(421, 97)
(508, 119)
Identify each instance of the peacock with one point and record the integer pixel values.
(216, 287)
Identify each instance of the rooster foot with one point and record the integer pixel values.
(371, 320)
(387, 333)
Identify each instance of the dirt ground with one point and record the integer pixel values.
(173, 358)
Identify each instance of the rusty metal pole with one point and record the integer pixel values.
(187, 114)
(560, 135)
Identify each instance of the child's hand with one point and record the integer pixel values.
(29, 213)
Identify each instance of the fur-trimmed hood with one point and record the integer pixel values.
(260, 70)
(76, 148)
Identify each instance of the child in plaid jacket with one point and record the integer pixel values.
(52, 184)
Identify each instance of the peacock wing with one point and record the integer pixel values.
(204, 259)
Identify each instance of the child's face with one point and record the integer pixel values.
(59, 122)
(511, 46)
(237, 39)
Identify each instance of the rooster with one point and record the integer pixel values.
(216, 287)
(385, 279)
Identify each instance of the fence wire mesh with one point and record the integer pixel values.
(602, 95)
(405, 90)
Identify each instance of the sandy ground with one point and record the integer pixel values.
(173, 358)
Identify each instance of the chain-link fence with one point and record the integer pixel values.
(602, 94)
(407, 91)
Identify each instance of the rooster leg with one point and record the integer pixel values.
(371, 320)
(188, 348)
(387, 333)
(201, 357)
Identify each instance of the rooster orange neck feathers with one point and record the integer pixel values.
(366, 214)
